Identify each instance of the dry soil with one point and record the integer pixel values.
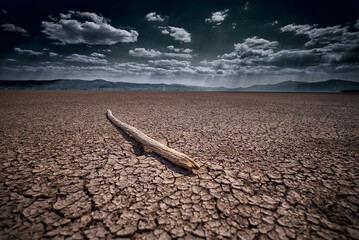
(274, 166)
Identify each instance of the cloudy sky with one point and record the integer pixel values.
(206, 43)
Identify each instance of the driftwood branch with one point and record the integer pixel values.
(172, 155)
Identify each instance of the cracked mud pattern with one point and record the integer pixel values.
(275, 166)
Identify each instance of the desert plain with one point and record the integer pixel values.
(273, 166)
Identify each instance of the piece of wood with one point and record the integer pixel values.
(172, 155)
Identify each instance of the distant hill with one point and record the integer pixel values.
(99, 84)
(292, 86)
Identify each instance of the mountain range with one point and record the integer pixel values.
(334, 85)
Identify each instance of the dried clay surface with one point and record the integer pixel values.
(274, 166)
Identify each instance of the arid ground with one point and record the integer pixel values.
(274, 166)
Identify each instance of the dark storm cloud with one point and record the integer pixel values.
(95, 30)
(12, 28)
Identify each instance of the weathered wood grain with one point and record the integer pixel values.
(172, 155)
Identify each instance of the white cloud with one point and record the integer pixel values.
(220, 72)
(98, 31)
(327, 48)
(298, 29)
(177, 55)
(253, 46)
(332, 45)
(11, 60)
(356, 25)
(85, 59)
(154, 71)
(184, 50)
(248, 54)
(151, 53)
(67, 15)
(171, 47)
(94, 17)
(205, 70)
(52, 54)
(170, 63)
(154, 17)
(259, 43)
(177, 33)
(52, 18)
(217, 17)
(12, 28)
(297, 58)
(59, 43)
(27, 52)
(246, 6)
(324, 36)
(142, 52)
(95, 54)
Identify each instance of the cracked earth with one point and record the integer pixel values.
(274, 166)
